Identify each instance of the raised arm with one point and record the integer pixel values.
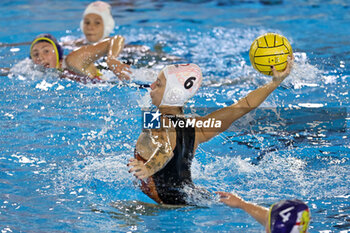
(120, 69)
(259, 213)
(82, 60)
(235, 111)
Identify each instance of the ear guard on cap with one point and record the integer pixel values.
(182, 82)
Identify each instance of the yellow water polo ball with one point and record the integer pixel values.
(268, 50)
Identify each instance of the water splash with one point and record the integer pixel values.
(279, 175)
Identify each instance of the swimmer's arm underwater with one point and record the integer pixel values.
(231, 113)
(4, 71)
(259, 213)
(160, 156)
(82, 60)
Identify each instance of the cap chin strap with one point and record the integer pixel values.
(54, 46)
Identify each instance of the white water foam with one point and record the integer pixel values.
(278, 175)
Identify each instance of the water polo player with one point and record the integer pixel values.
(163, 157)
(287, 216)
(46, 51)
(97, 22)
(79, 64)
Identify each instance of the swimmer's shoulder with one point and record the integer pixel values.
(144, 145)
(80, 42)
(150, 139)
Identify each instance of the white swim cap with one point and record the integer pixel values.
(182, 82)
(102, 9)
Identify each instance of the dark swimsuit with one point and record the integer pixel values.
(167, 185)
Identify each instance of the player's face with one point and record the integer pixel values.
(93, 27)
(158, 88)
(43, 53)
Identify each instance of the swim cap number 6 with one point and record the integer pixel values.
(182, 82)
(189, 82)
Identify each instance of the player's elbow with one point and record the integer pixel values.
(244, 106)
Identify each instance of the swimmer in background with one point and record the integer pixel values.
(98, 23)
(79, 64)
(287, 216)
(163, 156)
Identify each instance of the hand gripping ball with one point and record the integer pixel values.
(268, 50)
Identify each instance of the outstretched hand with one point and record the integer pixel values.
(139, 169)
(120, 69)
(231, 199)
(279, 76)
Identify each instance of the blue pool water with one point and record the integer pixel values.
(65, 145)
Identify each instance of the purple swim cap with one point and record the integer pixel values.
(50, 39)
(289, 216)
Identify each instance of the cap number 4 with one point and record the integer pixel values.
(285, 214)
